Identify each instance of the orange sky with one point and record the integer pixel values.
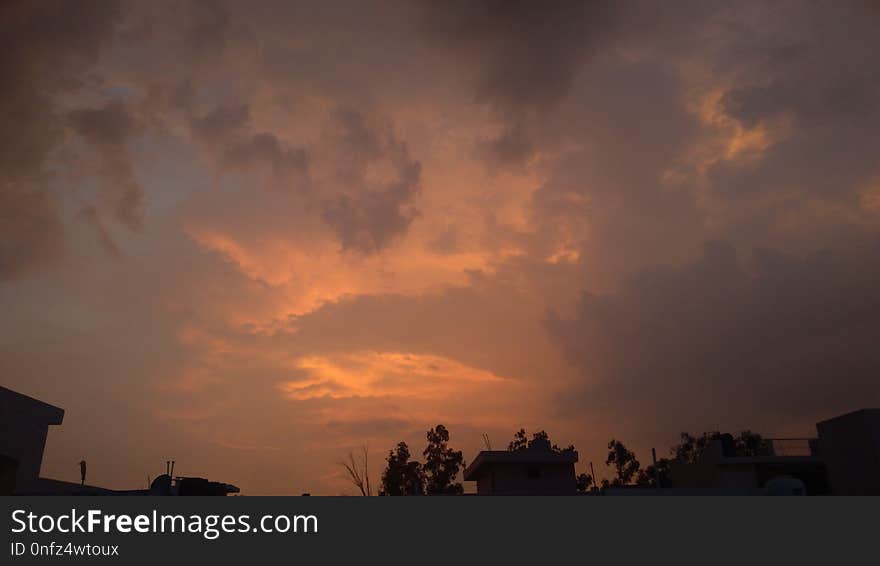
(251, 237)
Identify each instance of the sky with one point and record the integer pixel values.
(254, 236)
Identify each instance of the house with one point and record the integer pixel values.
(537, 470)
(792, 465)
(24, 423)
(850, 447)
(843, 460)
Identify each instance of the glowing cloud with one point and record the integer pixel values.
(385, 374)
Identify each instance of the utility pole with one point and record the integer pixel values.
(656, 469)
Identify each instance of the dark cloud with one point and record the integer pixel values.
(817, 64)
(360, 140)
(509, 150)
(208, 25)
(824, 67)
(778, 339)
(109, 129)
(781, 160)
(226, 131)
(265, 150)
(371, 213)
(521, 59)
(810, 78)
(606, 194)
(221, 122)
(369, 221)
(43, 48)
(525, 54)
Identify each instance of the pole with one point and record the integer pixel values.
(656, 469)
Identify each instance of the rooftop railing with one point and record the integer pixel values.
(793, 446)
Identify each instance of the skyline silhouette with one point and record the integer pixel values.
(840, 460)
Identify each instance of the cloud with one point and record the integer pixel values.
(264, 150)
(775, 340)
(791, 112)
(379, 180)
(829, 49)
(208, 25)
(381, 374)
(369, 222)
(342, 196)
(356, 176)
(221, 122)
(512, 148)
(109, 129)
(520, 59)
(524, 56)
(45, 47)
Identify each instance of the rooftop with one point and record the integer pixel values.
(13, 402)
(530, 456)
(861, 413)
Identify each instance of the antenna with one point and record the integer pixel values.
(167, 467)
(486, 441)
(172, 468)
(593, 473)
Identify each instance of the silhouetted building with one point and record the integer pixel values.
(48, 486)
(24, 423)
(538, 470)
(843, 460)
(8, 470)
(850, 447)
(792, 466)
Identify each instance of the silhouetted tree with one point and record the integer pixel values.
(690, 448)
(358, 470)
(648, 476)
(442, 463)
(521, 442)
(626, 466)
(401, 476)
(750, 443)
(584, 481)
